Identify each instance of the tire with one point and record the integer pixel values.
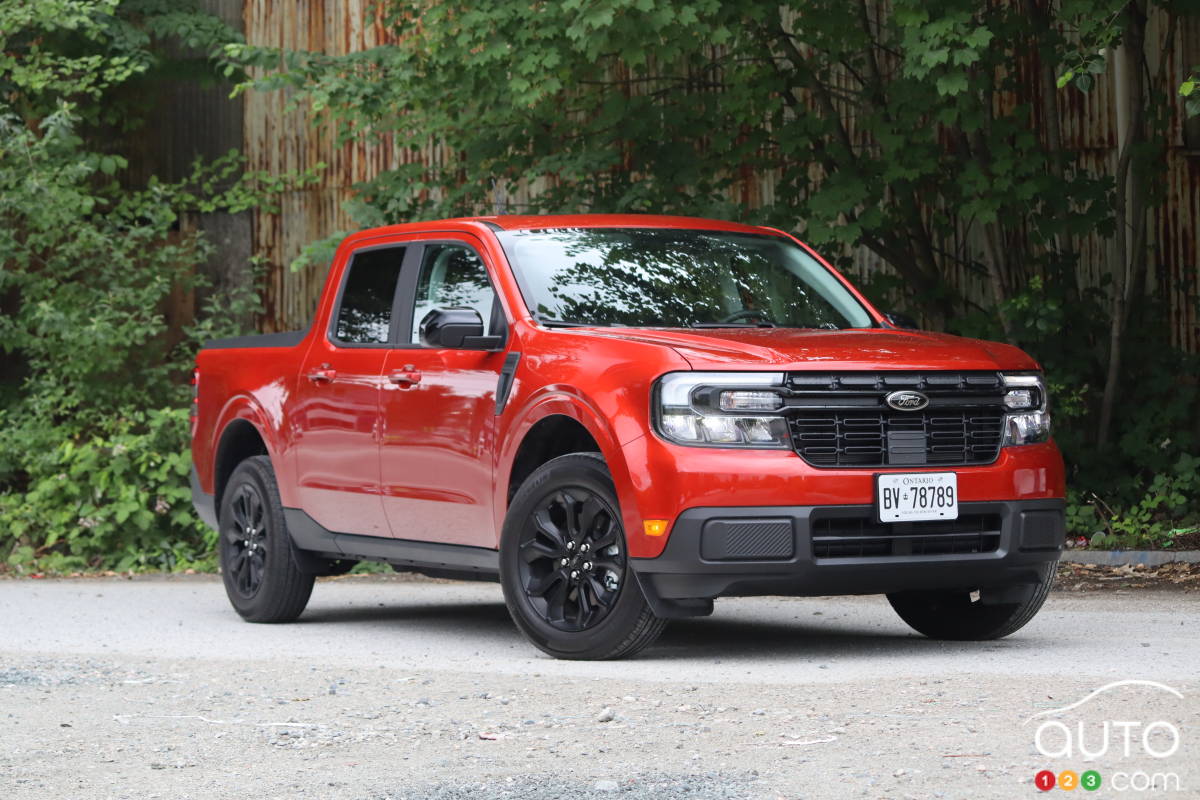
(590, 608)
(262, 579)
(954, 616)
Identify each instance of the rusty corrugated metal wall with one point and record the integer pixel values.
(278, 140)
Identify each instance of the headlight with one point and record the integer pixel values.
(722, 409)
(1029, 419)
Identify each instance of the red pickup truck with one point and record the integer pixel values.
(621, 418)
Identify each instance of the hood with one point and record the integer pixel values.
(790, 349)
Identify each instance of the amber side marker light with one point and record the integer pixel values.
(655, 527)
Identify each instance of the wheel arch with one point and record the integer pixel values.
(552, 426)
(241, 436)
(551, 436)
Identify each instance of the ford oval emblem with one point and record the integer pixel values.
(907, 401)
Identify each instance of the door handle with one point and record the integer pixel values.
(405, 377)
(322, 374)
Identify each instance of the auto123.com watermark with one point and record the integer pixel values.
(1137, 749)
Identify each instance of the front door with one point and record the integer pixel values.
(438, 408)
(336, 413)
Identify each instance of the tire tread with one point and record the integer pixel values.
(923, 613)
(286, 588)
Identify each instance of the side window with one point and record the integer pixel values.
(365, 313)
(452, 276)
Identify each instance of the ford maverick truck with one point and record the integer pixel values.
(622, 418)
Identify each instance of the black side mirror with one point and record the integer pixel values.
(901, 320)
(456, 328)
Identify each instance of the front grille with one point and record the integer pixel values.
(840, 419)
(862, 537)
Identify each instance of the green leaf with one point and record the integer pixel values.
(952, 84)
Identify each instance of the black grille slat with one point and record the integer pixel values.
(862, 536)
(955, 545)
(841, 419)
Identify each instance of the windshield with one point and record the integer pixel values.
(670, 278)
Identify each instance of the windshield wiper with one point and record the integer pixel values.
(564, 323)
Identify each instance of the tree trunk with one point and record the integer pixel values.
(997, 270)
(1129, 205)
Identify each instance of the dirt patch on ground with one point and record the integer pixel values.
(1100, 577)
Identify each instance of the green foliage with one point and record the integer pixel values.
(86, 52)
(1187, 90)
(119, 499)
(93, 421)
(1156, 431)
(93, 431)
(1165, 510)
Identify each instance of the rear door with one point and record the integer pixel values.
(336, 411)
(438, 405)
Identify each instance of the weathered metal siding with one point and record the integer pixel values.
(1175, 226)
(281, 141)
(185, 120)
(278, 141)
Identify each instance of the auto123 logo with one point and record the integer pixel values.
(1110, 738)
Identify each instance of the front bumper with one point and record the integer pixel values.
(826, 550)
(667, 479)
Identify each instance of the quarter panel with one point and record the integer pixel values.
(252, 384)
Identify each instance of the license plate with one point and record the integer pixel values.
(915, 496)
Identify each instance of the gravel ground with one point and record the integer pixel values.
(423, 689)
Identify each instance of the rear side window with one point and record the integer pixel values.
(365, 312)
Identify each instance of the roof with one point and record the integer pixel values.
(516, 222)
(534, 221)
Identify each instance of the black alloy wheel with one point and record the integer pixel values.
(571, 558)
(244, 537)
(568, 581)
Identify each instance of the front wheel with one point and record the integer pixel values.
(262, 579)
(964, 615)
(564, 567)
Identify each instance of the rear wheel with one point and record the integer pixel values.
(966, 615)
(564, 566)
(262, 579)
